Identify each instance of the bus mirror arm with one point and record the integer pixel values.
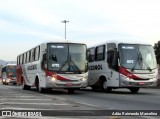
(108, 61)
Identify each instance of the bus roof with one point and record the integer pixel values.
(54, 41)
(121, 41)
(10, 64)
(61, 41)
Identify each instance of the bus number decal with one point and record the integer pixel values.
(96, 67)
(130, 61)
(32, 67)
(55, 65)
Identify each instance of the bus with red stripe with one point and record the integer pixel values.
(53, 65)
(115, 64)
(8, 73)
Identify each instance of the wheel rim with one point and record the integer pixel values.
(105, 85)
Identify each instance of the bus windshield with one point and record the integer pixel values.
(11, 71)
(137, 57)
(65, 58)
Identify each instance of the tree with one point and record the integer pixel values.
(157, 51)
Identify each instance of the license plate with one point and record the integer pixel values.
(69, 84)
(141, 83)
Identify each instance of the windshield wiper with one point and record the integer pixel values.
(63, 65)
(146, 65)
(141, 60)
(138, 59)
(72, 66)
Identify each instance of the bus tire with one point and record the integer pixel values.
(49, 89)
(71, 91)
(94, 88)
(25, 87)
(39, 89)
(42, 90)
(104, 86)
(134, 89)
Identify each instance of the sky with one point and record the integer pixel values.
(27, 23)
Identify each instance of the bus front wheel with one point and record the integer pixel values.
(39, 89)
(104, 86)
(25, 87)
(134, 89)
(71, 91)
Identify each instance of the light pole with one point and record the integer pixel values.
(65, 21)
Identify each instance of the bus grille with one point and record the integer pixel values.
(70, 81)
(140, 79)
(137, 84)
(64, 85)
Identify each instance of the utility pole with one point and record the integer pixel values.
(65, 21)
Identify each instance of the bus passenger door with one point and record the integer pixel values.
(112, 60)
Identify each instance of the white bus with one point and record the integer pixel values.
(8, 73)
(122, 65)
(53, 65)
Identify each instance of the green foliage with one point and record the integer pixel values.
(157, 51)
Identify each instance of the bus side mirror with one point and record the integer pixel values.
(115, 60)
(108, 60)
(109, 57)
(112, 59)
(158, 58)
(44, 59)
(88, 54)
(116, 56)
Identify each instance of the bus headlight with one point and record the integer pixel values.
(154, 78)
(7, 80)
(54, 79)
(84, 78)
(50, 78)
(125, 77)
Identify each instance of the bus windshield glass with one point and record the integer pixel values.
(65, 58)
(11, 71)
(137, 57)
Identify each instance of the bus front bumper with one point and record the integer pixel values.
(67, 84)
(138, 83)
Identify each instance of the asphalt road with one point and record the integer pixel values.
(84, 104)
